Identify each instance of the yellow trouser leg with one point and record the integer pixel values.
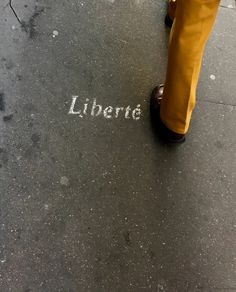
(193, 22)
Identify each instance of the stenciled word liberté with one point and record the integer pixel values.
(92, 108)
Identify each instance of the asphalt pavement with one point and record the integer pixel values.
(90, 200)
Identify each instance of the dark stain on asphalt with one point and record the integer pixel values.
(35, 138)
(152, 254)
(219, 144)
(19, 77)
(7, 118)
(127, 237)
(2, 101)
(30, 125)
(9, 65)
(30, 26)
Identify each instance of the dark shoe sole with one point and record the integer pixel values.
(168, 21)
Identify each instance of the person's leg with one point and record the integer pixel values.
(193, 22)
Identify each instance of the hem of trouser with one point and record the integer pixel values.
(173, 128)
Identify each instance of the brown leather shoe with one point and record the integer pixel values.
(169, 19)
(167, 135)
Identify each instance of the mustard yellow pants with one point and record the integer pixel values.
(193, 22)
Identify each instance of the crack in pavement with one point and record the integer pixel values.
(13, 10)
(29, 26)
